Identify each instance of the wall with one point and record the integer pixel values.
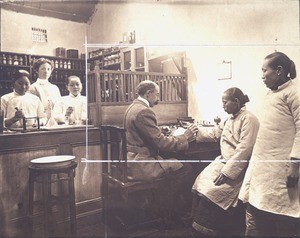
(209, 32)
(16, 33)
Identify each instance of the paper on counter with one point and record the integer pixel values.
(179, 131)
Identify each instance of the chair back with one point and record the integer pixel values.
(114, 152)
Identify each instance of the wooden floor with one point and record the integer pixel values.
(101, 231)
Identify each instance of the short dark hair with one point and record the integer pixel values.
(280, 59)
(21, 73)
(144, 86)
(237, 93)
(67, 80)
(40, 61)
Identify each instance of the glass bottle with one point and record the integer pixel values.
(25, 60)
(9, 59)
(4, 59)
(15, 61)
(21, 60)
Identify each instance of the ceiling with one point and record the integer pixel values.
(78, 11)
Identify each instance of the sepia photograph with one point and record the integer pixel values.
(149, 119)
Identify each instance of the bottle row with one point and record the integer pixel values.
(65, 63)
(112, 59)
(105, 51)
(69, 64)
(24, 60)
(12, 59)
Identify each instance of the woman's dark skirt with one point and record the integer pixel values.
(211, 220)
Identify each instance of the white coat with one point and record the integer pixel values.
(278, 140)
(237, 141)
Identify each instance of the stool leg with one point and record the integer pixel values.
(45, 192)
(72, 203)
(31, 201)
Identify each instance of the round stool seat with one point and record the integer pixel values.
(52, 161)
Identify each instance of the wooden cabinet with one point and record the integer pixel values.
(115, 58)
(134, 59)
(63, 67)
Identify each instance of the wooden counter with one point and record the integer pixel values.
(18, 149)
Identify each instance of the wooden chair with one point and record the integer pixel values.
(117, 188)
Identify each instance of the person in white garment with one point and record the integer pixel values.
(20, 103)
(216, 210)
(271, 184)
(71, 109)
(48, 93)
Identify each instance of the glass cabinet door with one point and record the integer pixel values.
(139, 59)
(127, 60)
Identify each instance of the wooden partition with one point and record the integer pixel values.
(111, 92)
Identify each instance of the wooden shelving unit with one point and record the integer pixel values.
(108, 59)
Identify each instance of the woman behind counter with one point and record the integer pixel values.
(48, 93)
(216, 210)
(19, 103)
(71, 109)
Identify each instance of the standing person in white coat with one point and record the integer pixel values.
(71, 109)
(216, 210)
(271, 187)
(48, 92)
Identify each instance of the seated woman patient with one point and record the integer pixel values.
(216, 210)
(20, 103)
(71, 109)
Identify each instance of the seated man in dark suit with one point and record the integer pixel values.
(145, 140)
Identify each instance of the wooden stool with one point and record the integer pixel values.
(48, 170)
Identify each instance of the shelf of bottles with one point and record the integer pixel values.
(9, 64)
(108, 58)
(63, 68)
